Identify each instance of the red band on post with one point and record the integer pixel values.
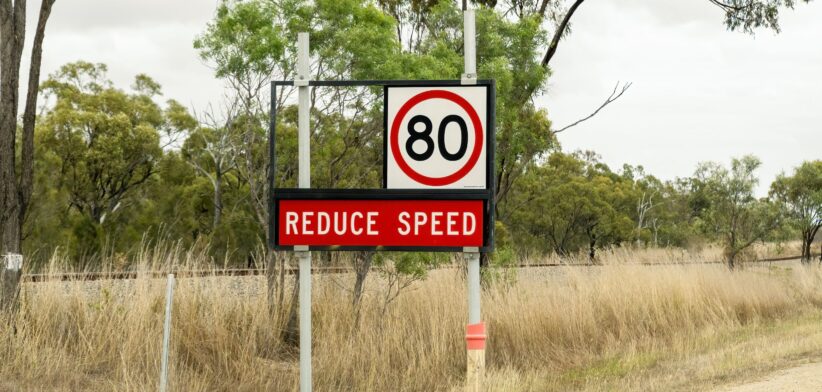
(475, 336)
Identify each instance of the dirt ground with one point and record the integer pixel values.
(805, 378)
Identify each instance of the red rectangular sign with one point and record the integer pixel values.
(399, 223)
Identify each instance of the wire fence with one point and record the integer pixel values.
(238, 272)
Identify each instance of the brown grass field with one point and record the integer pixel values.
(616, 327)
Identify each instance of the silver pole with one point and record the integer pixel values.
(470, 47)
(304, 138)
(473, 287)
(470, 77)
(167, 334)
(305, 321)
(475, 330)
(304, 134)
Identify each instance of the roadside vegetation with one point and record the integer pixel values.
(102, 177)
(617, 326)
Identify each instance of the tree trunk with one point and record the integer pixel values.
(806, 246)
(362, 265)
(731, 260)
(291, 334)
(485, 260)
(218, 199)
(281, 281)
(10, 279)
(11, 233)
(12, 35)
(29, 116)
(271, 283)
(592, 249)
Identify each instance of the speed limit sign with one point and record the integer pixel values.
(436, 137)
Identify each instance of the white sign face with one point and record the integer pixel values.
(436, 137)
(14, 262)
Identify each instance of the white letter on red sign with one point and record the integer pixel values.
(465, 223)
(452, 221)
(291, 221)
(323, 217)
(339, 223)
(307, 222)
(371, 221)
(354, 229)
(419, 219)
(404, 216)
(435, 221)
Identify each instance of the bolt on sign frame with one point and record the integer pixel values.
(277, 195)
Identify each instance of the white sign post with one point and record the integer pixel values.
(167, 334)
(475, 334)
(304, 139)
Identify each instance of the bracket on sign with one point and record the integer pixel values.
(303, 58)
(301, 249)
(468, 79)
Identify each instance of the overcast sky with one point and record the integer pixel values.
(699, 92)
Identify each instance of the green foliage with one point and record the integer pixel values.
(114, 168)
(100, 145)
(800, 196)
(733, 214)
(242, 37)
(747, 15)
(572, 201)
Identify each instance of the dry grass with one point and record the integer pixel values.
(616, 327)
(669, 255)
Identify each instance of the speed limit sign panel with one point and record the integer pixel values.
(436, 137)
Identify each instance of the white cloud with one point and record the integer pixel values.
(154, 37)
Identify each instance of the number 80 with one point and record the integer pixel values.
(425, 136)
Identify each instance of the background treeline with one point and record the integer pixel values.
(119, 167)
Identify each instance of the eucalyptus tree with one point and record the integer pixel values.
(107, 141)
(733, 212)
(801, 197)
(572, 203)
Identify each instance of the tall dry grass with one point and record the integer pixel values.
(106, 335)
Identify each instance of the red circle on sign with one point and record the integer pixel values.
(395, 138)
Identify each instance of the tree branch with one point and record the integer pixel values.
(552, 48)
(611, 98)
(29, 115)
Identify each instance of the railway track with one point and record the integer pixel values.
(189, 273)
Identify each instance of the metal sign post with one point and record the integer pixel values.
(303, 252)
(166, 334)
(475, 330)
